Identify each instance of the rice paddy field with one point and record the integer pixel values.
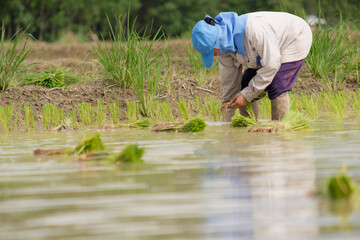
(124, 139)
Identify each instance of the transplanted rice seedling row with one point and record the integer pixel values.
(329, 106)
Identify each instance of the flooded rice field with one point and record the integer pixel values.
(223, 183)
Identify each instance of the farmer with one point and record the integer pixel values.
(270, 46)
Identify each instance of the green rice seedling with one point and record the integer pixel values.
(12, 58)
(294, 121)
(86, 113)
(213, 109)
(194, 125)
(131, 154)
(89, 144)
(142, 123)
(166, 111)
(336, 104)
(100, 113)
(52, 115)
(6, 114)
(265, 108)
(355, 102)
(114, 112)
(17, 116)
(29, 118)
(131, 108)
(184, 109)
(132, 61)
(310, 104)
(339, 187)
(51, 78)
(200, 106)
(242, 121)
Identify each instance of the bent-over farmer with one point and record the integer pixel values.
(270, 46)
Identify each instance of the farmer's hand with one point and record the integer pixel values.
(237, 101)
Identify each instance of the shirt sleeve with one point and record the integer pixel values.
(230, 74)
(264, 43)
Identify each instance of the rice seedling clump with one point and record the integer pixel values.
(194, 125)
(339, 187)
(242, 121)
(92, 143)
(131, 154)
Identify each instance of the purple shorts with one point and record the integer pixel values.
(283, 81)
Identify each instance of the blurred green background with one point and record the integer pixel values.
(51, 19)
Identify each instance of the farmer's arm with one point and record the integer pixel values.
(230, 74)
(266, 46)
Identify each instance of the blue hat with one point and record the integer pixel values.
(204, 37)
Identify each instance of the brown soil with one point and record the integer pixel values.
(77, 57)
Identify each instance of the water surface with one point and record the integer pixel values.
(223, 183)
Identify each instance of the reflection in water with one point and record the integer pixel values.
(220, 184)
(264, 174)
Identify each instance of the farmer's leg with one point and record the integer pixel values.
(279, 106)
(283, 82)
(231, 84)
(246, 77)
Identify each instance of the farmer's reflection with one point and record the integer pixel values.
(263, 189)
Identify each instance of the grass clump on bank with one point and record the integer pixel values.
(51, 78)
(133, 61)
(12, 58)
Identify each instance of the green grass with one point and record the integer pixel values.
(51, 78)
(12, 58)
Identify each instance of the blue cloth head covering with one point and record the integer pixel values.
(227, 35)
(231, 28)
(204, 38)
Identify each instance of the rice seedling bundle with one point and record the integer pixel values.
(92, 143)
(194, 125)
(86, 113)
(339, 186)
(242, 121)
(100, 113)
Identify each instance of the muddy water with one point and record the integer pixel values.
(223, 184)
